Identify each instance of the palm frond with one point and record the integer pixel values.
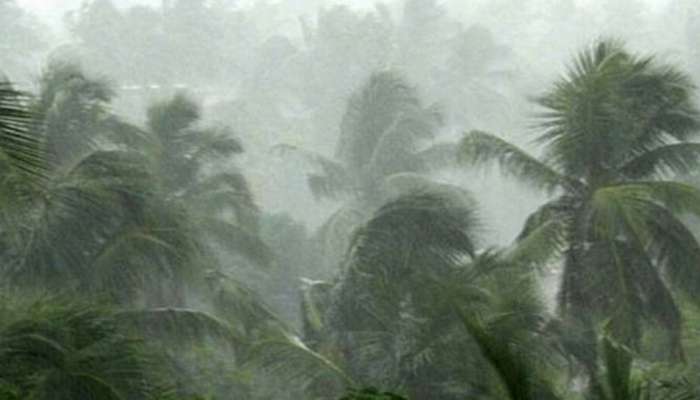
(516, 373)
(59, 349)
(480, 149)
(668, 160)
(677, 251)
(406, 183)
(171, 118)
(180, 325)
(541, 244)
(287, 357)
(241, 306)
(618, 367)
(213, 143)
(222, 192)
(17, 141)
(441, 222)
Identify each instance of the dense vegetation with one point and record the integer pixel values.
(136, 260)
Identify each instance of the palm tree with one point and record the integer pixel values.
(124, 212)
(55, 349)
(95, 224)
(381, 151)
(614, 130)
(391, 318)
(127, 218)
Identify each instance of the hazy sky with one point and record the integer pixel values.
(53, 10)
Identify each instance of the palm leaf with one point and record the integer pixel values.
(181, 325)
(17, 140)
(677, 158)
(514, 370)
(479, 149)
(286, 356)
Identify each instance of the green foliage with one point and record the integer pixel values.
(54, 349)
(154, 234)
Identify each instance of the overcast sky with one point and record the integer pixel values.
(53, 10)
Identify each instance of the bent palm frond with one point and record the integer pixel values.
(480, 149)
(286, 356)
(676, 158)
(17, 141)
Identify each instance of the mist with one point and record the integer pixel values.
(349, 200)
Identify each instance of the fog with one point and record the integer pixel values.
(311, 199)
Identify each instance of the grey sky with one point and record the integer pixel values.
(54, 9)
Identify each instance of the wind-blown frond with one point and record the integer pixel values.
(54, 349)
(542, 244)
(241, 306)
(132, 258)
(677, 250)
(223, 193)
(285, 356)
(17, 141)
(443, 225)
(78, 210)
(181, 325)
(632, 206)
(335, 234)
(479, 149)
(677, 158)
(216, 142)
(406, 183)
(516, 372)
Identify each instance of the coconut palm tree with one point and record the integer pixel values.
(123, 212)
(614, 131)
(187, 159)
(383, 148)
(95, 224)
(391, 319)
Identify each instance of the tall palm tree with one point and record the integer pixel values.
(614, 130)
(187, 159)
